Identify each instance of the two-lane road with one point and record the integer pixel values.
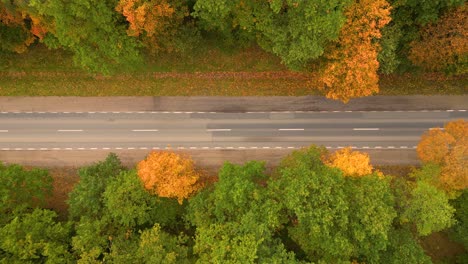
(210, 130)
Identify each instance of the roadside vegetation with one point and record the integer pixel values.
(232, 48)
(316, 206)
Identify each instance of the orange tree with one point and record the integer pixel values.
(20, 26)
(352, 67)
(443, 46)
(168, 174)
(156, 22)
(447, 148)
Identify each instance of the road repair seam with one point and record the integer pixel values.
(250, 112)
(199, 148)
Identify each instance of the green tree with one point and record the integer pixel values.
(157, 246)
(371, 215)
(35, 237)
(121, 207)
(404, 249)
(296, 31)
(429, 209)
(86, 197)
(21, 190)
(128, 203)
(460, 230)
(236, 220)
(331, 217)
(92, 30)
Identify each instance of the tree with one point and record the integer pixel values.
(460, 230)
(454, 175)
(371, 215)
(236, 219)
(35, 236)
(168, 174)
(408, 16)
(404, 249)
(352, 163)
(20, 26)
(434, 146)
(22, 190)
(86, 197)
(429, 209)
(333, 218)
(352, 67)
(157, 246)
(443, 46)
(91, 30)
(156, 21)
(448, 149)
(128, 204)
(296, 31)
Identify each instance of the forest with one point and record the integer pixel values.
(315, 207)
(345, 46)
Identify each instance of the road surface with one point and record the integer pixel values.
(147, 130)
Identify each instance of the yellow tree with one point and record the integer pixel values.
(352, 163)
(449, 149)
(168, 174)
(444, 44)
(352, 67)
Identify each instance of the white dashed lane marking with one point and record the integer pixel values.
(145, 130)
(207, 148)
(70, 130)
(366, 129)
(291, 129)
(218, 129)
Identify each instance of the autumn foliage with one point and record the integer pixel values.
(31, 26)
(168, 174)
(352, 67)
(449, 149)
(444, 44)
(352, 163)
(153, 20)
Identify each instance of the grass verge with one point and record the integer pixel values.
(213, 72)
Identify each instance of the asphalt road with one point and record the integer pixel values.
(146, 130)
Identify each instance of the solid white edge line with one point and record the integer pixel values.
(200, 112)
